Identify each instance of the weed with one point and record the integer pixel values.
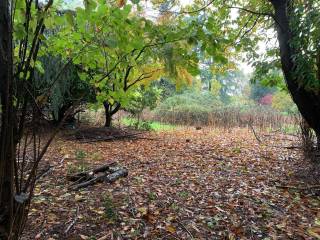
(96, 156)
(152, 196)
(80, 154)
(147, 125)
(178, 181)
(236, 150)
(183, 194)
(174, 207)
(110, 209)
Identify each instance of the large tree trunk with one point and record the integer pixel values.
(308, 102)
(110, 110)
(7, 145)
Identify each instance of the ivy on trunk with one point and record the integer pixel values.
(308, 101)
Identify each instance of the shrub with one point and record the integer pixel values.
(194, 108)
(282, 102)
(188, 107)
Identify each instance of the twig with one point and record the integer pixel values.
(84, 178)
(109, 177)
(184, 227)
(171, 235)
(131, 204)
(255, 134)
(73, 222)
(88, 183)
(253, 12)
(104, 237)
(50, 168)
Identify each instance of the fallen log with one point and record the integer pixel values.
(106, 173)
(89, 174)
(116, 175)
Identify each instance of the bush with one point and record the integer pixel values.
(282, 102)
(189, 107)
(194, 108)
(203, 101)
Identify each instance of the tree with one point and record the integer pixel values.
(298, 32)
(299, 35)
(65, 91)
(144, 97)
(22, 25)
(7, 156)
(258, 91)
(124, 50)
(282, 102)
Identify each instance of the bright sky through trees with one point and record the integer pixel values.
(151, 13)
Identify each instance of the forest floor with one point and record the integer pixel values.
(182, 184)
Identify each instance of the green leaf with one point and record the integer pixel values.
(70, 18)
(20, 32)
(38, 66)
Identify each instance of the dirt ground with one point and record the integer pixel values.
(182, 184)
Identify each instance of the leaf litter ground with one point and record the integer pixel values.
(183, 184)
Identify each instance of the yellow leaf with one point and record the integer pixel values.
(78, 197)
(84, 237)
(314, 232)
(143, 210)
(121, 3)
(99, 212)
(171, 229)
(42, 99)
(51, 217)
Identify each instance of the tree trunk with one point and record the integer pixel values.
(70, 119)
(109, 112)
(108, 117)
(108, 120)
(308, 102)
(7, 145)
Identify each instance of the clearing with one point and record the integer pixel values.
(182, 184)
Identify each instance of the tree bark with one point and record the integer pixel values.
(308, 102)
(108, 117)
(109, 112)
(7, 145)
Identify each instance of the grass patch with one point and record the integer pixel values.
(147, 125)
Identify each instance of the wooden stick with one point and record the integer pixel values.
(50, 169)
(73, 222)
(89, 174)
(110, 178)
(184, 227)
(255, 134)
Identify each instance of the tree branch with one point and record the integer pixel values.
(142, 77)
(198, 10)
(252, 12)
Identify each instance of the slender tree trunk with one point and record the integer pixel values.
(308, 102)
(62, 115)
(108, 117)
(7, 145)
